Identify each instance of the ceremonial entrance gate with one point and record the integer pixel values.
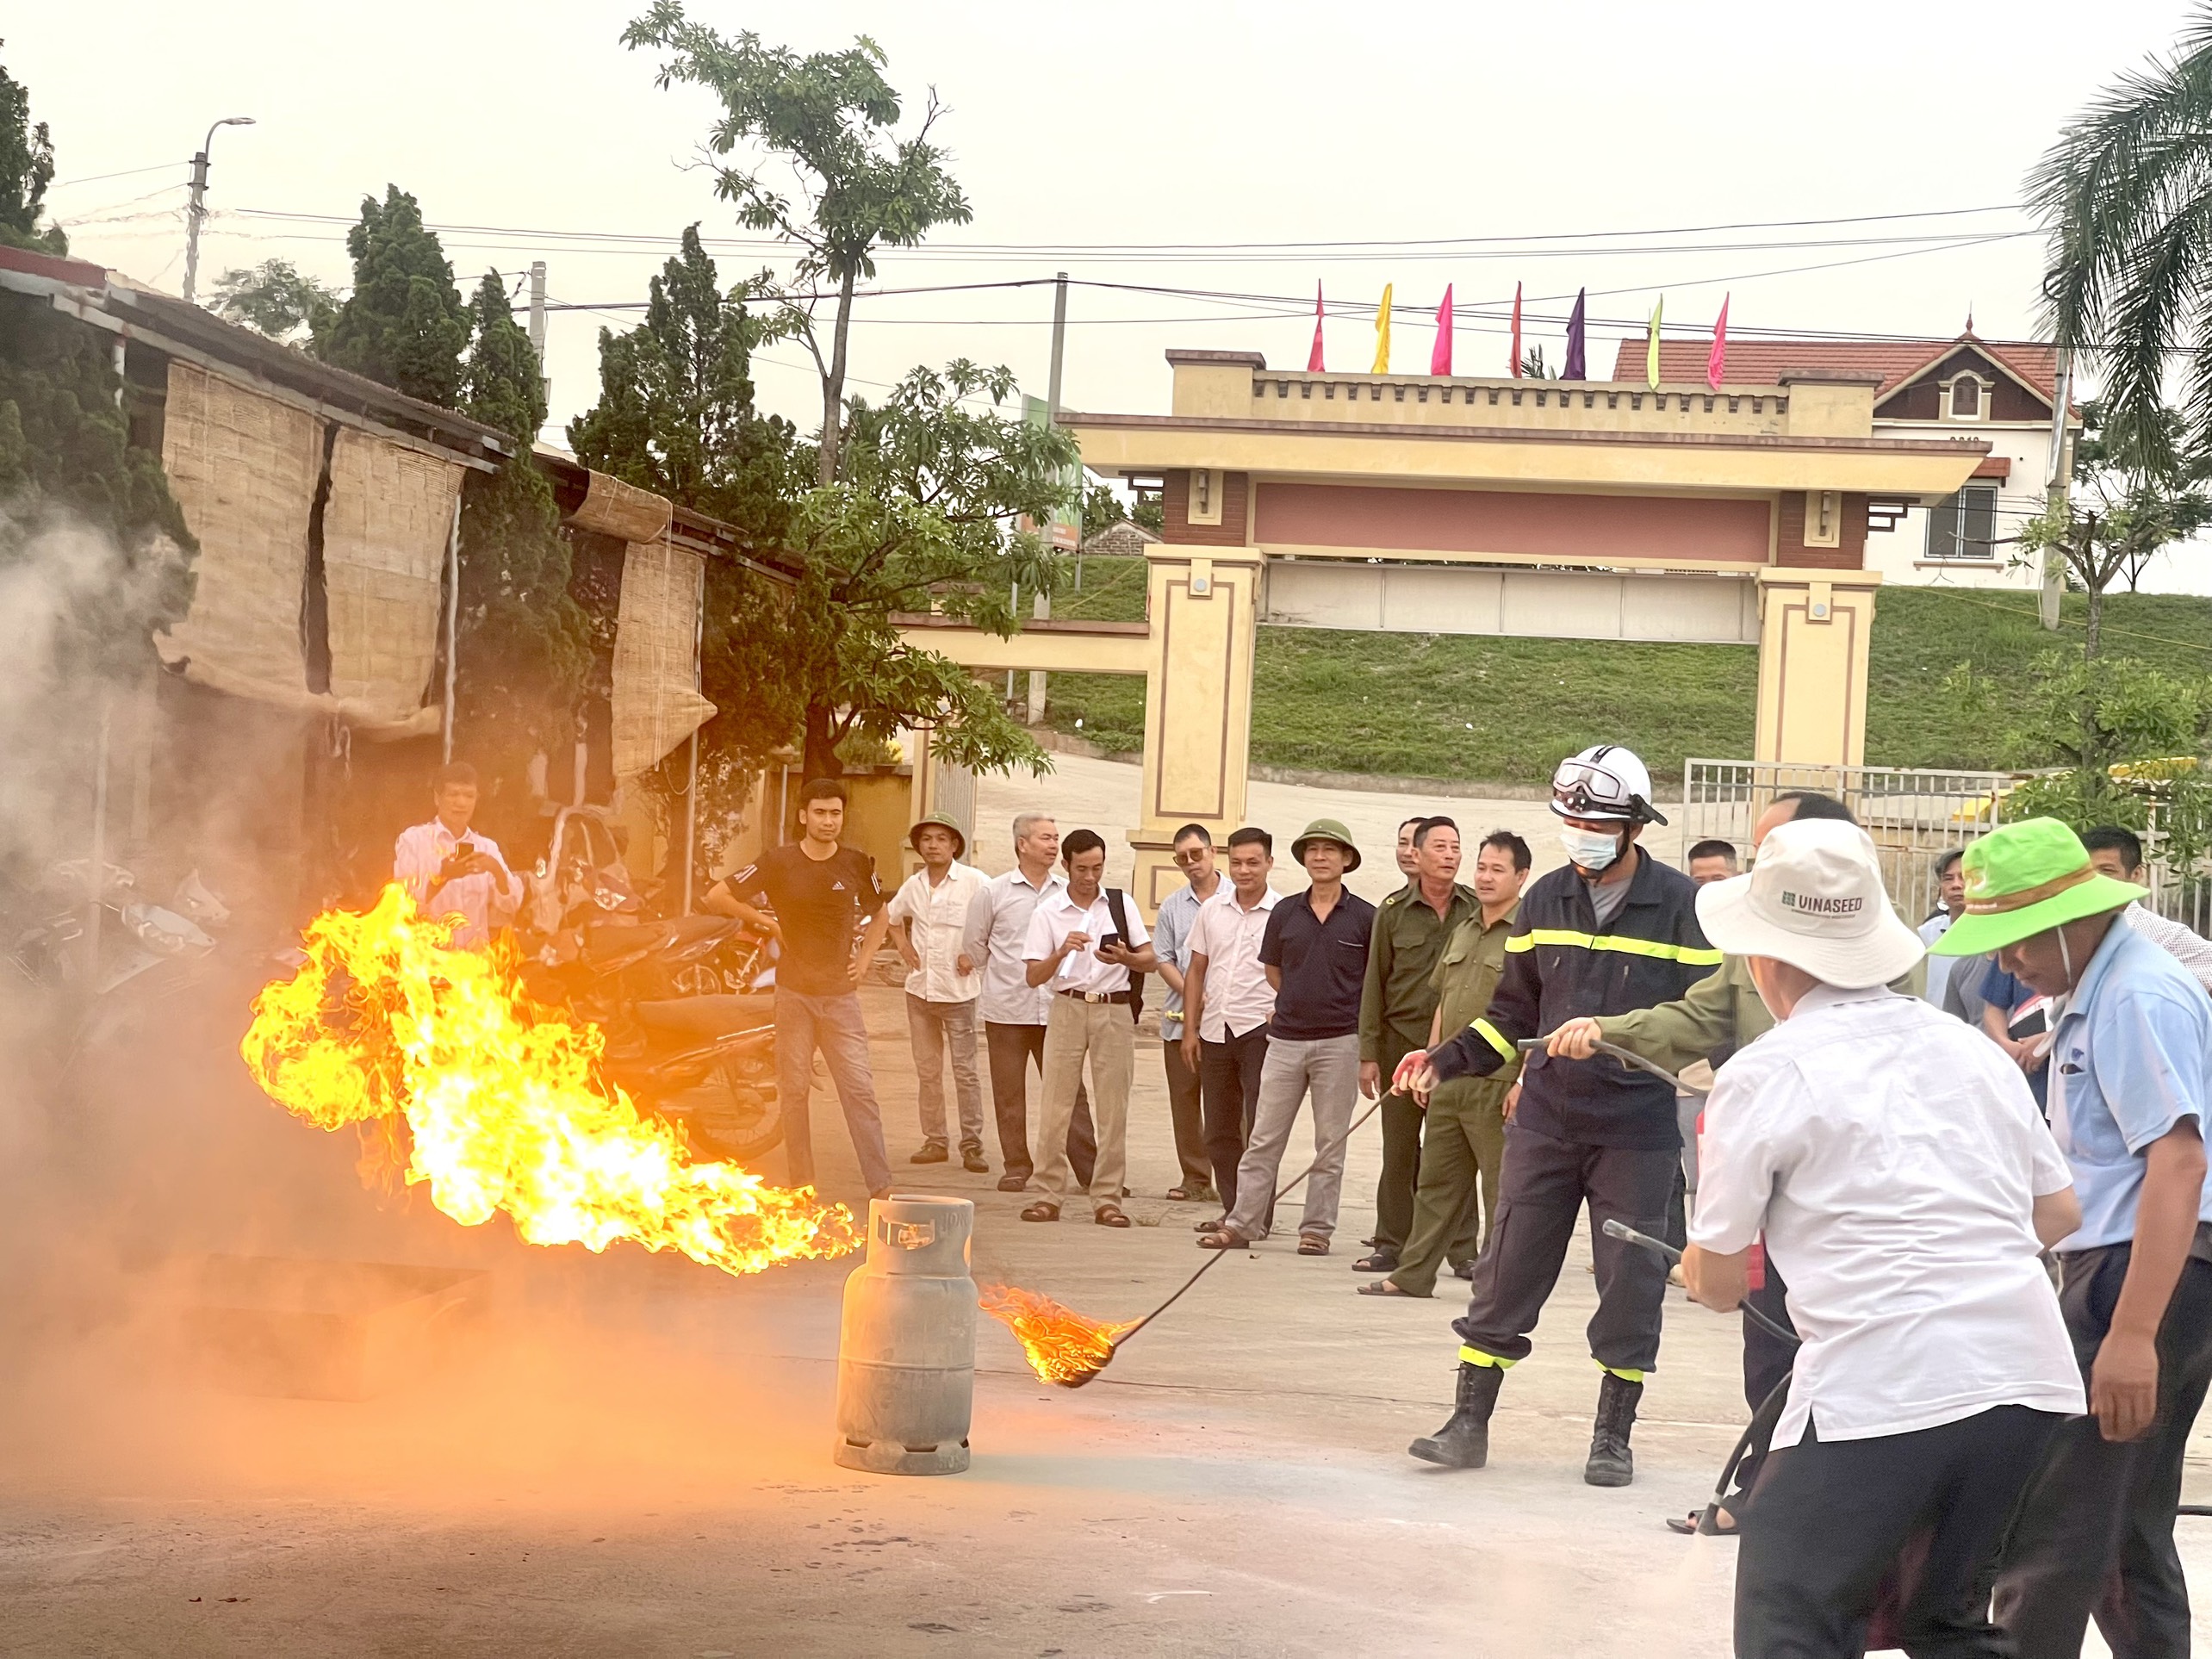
(1571, 509)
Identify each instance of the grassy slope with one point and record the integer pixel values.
(1445, 706)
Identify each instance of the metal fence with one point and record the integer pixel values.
(1915, 815)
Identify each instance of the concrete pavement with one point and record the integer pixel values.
(633, 1458)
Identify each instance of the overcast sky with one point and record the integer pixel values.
(1166, 131)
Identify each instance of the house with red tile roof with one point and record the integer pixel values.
(2000, 390)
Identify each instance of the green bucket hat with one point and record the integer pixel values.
(939, 821)
(1327, 829)
(2026, 879)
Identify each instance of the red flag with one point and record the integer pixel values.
(1314, 357)
(1513, 368)
(1440, 353)
(1717, 364)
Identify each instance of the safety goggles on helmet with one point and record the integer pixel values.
(1585, 786)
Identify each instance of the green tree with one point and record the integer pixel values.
(923, 520)
(276, 298)
(2131, 495)
(26, 170)
(403, 323)
(675, 412)
(523, 648)
(827, 121)
(2127, 196)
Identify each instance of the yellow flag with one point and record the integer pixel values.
(1651, 352)
(1383, 334)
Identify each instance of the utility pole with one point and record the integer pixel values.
(537, 331)
(1044, 601)
(195, 215)
(2057, 478)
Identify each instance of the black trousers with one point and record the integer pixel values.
(1829, 1518)
(1013, 1049)
(1541, 1191)
(1228, 1084)
(1188, 1115)
(1766, 1360)
(2094, 1533)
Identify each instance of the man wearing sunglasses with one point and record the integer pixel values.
(1615, 929)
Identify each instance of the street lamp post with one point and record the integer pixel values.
(197, 212)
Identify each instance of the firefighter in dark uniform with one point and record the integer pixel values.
(1615, 929)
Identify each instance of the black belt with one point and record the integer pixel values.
(1097, 996)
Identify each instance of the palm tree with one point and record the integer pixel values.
(2127, 193)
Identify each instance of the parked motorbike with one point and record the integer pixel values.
(49, 945)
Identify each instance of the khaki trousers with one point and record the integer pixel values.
(1105, 1034)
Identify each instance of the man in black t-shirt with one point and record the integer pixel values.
(819, 891)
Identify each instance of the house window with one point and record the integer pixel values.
(1966, 398)
(1963, 526)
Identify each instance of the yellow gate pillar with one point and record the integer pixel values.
(1205, 609)
(1813, 629)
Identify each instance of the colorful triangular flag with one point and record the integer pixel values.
(1440, 353)
(1383, 334)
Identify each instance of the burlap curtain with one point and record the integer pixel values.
(244, 469)
(656, 705)
(385, 532)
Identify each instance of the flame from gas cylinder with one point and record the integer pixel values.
(504, 1102)
(1061, 1346)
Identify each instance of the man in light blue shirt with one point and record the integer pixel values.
(1951, 890)
(2130, 1072)
(1193, 856)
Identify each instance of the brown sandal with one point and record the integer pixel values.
(1109, 1215)
(1312, 1243)
(1041, 1211)
(1382, 1288)
(1222, 1239)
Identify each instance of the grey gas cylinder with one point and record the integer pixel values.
(906, 1351)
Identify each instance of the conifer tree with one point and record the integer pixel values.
(404, 323)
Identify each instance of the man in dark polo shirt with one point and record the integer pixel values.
(1314, 952)
(1412, 927)
(819, 890)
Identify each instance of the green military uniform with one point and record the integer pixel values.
(1721, 1012)
(1464, 1140)
(1394, 1011)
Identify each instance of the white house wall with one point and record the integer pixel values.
(1901, 555)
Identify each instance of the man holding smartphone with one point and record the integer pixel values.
(453, 871)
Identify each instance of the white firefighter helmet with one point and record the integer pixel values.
(1605, 783)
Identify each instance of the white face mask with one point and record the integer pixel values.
(1590, 850)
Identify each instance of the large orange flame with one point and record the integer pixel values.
(505, 1103)
(1061, 1346)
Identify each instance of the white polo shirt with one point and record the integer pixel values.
(1892, 1156)
(1057, 916)
(1237, 994)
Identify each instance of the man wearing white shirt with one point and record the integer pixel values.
(1013, 1009)
(1226, 1002)
(1951, 893)
(2119, 854)
(929, 924)
(1086, 943)
(453, 871)
(1906, 1185)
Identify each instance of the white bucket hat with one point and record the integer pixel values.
(1815, 900)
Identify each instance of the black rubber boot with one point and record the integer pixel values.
(1465, 1442)
(1612, 1463)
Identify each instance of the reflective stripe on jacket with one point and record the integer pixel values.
(1562, 965)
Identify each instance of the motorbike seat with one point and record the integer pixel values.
(706, 1018)
(611, 939)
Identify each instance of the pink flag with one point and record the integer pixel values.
(1440, 354)
(1314, 357)
(1717, 364)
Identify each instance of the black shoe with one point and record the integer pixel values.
(1011, 1182)
(973, 1161)
(1465, 1270)
(933, 1151)
(1465, 1442)
(1612, 1463)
